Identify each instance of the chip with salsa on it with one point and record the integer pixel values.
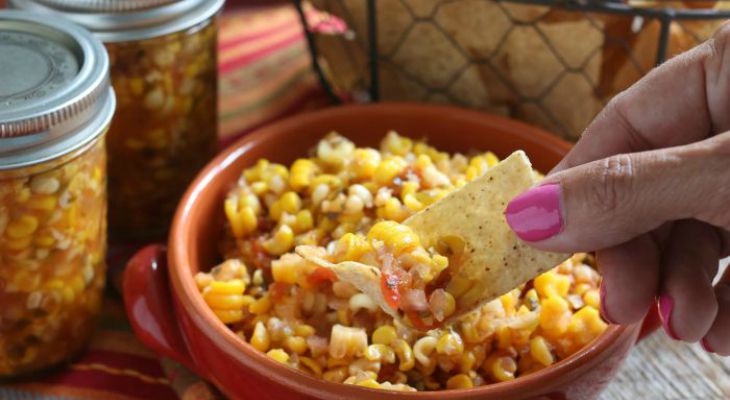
(462, 243)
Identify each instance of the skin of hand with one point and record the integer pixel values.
(647, 188)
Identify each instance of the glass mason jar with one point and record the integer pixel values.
(56, 104)
(163, 56)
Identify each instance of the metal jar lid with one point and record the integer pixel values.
(55, 95)
(127, 20)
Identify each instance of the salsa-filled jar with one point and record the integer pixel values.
(56, 104)
(163, 57)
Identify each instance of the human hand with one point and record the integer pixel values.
(648, 188)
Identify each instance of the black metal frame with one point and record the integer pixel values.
(664, 15)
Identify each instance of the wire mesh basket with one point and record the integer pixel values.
(553, 63)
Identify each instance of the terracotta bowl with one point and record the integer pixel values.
(169, 315)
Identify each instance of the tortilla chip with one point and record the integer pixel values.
(366, 278)
(494, 261)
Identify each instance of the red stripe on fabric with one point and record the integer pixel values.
(247, 58)
(246, 38)
(144, 365)
(121, 384)
(313, 94)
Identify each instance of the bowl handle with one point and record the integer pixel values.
(650, 324)
(148, 302)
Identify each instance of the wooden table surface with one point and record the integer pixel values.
(660, 368)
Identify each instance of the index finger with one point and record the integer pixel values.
(682, 101)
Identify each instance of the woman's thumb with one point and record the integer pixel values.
(610, 201)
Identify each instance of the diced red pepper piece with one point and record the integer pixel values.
(321, 274)
(390, 283)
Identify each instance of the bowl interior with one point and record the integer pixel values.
(199, 219)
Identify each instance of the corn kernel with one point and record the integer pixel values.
(250, 200)
(540, 351)
(384, 335)
(281, 243)
(260, 338)
(396, 144)
(555, 315)
(304, 221)
(228, 316)
(261, 305)
(365, 163)
(460, 381)
(458, 286)
(350, 247)
(347, 341)
(400, 238)
(335, 375)
(43, 203)
(304, 330)
(552, 284)
(278, 355)
(491, 159)
(380, 352)
(285, 270)
(21, 227)
(290, 203)
(405, 355)
(234, 286)
(370, 383)
(388, 169)
(450, 344)
(296, 344)
(592, 298)
(412, 203)
(335, 149)
(226, 301)
(302, 173)
(259, 188)
(503, 368)
(393, 210)
(313, 366)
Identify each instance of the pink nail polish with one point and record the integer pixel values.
(536, 214)
(602, 310)
(706, 346)
(666, 304)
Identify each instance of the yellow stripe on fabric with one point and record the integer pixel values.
(120, 372)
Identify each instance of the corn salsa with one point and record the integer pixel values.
(350, 202)
(52, 248)
(165, 125)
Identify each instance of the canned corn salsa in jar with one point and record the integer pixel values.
(163, 68)
(55, 106)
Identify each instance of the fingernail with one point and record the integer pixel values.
(706, 346)
(536, 214)
(602, 310)
(666, 304)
